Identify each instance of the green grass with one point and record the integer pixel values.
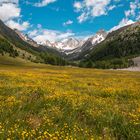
(6, 60)
(47, 102)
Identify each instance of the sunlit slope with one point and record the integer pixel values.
(6, 60)
(10, 62)
(68, 103)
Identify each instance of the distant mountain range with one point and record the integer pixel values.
(70, 48)
(103, 46)
(86, 46)
(65, 44)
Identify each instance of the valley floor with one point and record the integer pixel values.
(46, 102)
(134, 68)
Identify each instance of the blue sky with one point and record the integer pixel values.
(58, 19)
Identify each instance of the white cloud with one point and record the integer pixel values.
(41, 35)
(69, 22)
(83, 17)
(39, 26)
(138, 16)
(127, 13)
(132, 10)
(33, 33)
(131, 13)
(92, 8)
(9, 11)
(111, 7)
(16, 25)
(44, 3)
(77, 5)
(123, 22)
(9, 1)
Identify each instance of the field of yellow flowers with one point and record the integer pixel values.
(61, 103)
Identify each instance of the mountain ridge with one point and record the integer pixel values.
(72, 47)
(117, 50)
(102, 47)
(16, 44)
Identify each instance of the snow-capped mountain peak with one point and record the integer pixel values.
(98, 37)
(74, 46)
(26, 38)
(87, 45)
(65, 44)
(69, 46)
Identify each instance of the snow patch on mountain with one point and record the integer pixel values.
(26, 38)
(89, 43)
(65, 44)
(69, 46)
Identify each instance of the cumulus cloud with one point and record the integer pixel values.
(122, 23)
(9, 1)
(44, 3)
(10, 13)
(83, 17)
(111, 7)
(69, 22)
(16, 25)
(42, 35)
(132, 10)
(92, 8)
(77, 5)
(131, 15)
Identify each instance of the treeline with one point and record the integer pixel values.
(122, 45)
(6, 47)
(115, 63)
(115, 50)
(53, 59)
(44, 57)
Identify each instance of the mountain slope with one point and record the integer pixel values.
(86, 46)
(37, 47)
(17, 45)
(72, 48)
(15, 39)
(121, 44)
(6, 61)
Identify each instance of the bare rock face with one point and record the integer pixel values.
(98, 37)
(26, 38)
(66, 44)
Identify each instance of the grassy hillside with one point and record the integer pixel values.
(13, 44)
(6, 60)
(46, 102)
(11, 36)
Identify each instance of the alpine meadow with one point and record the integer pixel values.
(70, 70)
(48, 102)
